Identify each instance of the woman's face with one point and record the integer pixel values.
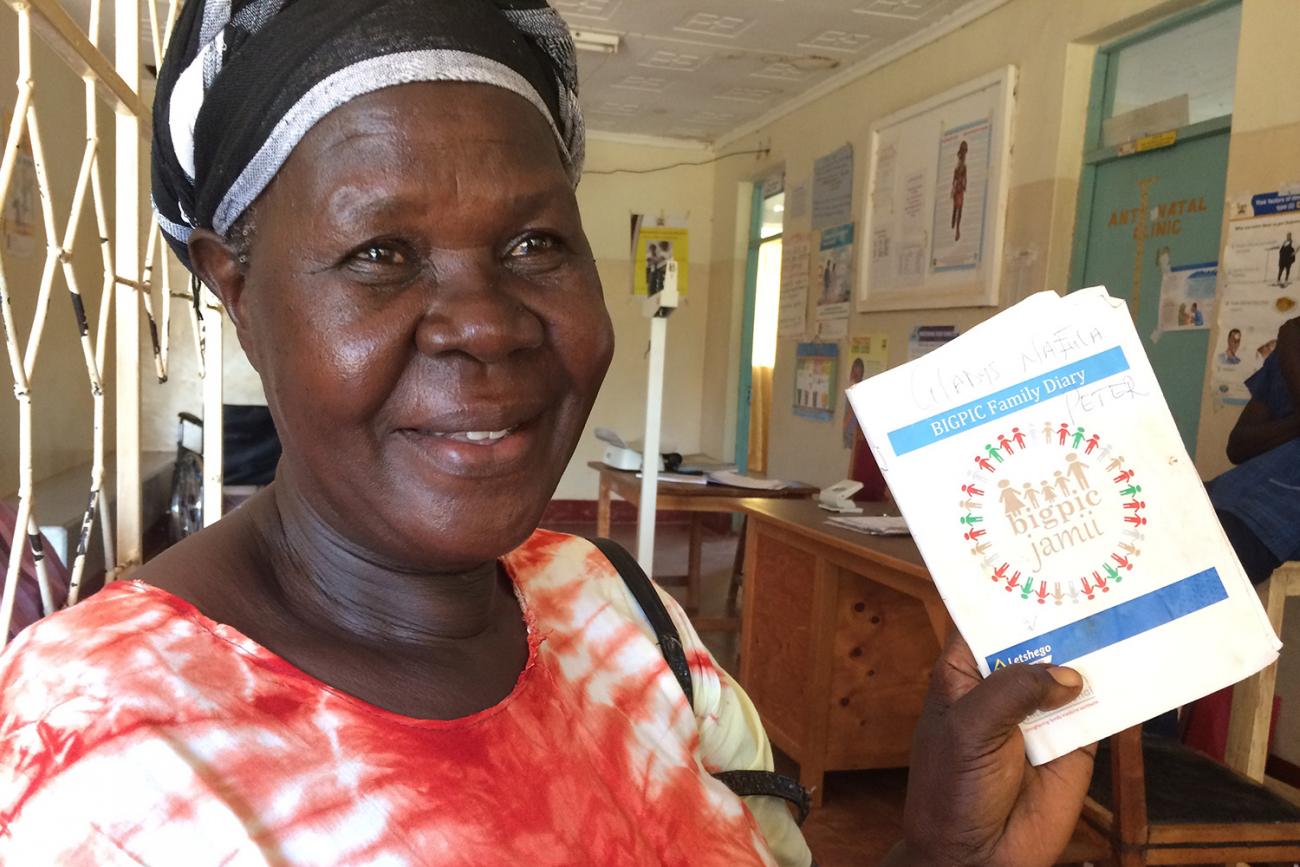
(424, 310)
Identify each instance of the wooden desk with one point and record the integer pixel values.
(840, 630)
(695, 499)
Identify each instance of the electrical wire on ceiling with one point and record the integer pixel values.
(760, 151)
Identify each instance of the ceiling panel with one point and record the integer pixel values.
(698, 69)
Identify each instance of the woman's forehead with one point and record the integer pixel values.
(404, 150)
(411, 119)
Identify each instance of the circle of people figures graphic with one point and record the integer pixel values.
(1056, 513)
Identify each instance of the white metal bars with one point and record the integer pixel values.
(120, 87)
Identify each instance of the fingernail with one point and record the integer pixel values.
(1066, 677)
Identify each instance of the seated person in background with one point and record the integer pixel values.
(1258, 502)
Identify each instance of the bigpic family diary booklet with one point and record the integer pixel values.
(1043, 479)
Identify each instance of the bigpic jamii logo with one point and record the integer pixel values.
(1051, 511)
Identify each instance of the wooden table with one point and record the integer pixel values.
(840, 630)
(695, 499)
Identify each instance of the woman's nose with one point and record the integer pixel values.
(473, 310)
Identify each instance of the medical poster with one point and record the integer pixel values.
(816, 380)
(1260, 292)
(1186, 294)
(959, 206)
(654, 242)
(834, 281)
(868, 355)
(1044, 481)
(832, 188)
(792, 315)
(933, 218)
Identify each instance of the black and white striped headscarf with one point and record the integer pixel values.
(244, 80)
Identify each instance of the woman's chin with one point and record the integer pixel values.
(459, 528)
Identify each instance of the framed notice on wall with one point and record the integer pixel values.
(935, 211)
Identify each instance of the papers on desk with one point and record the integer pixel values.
(682, 478)
(1061, 517)
(703, 464)
(736, 480)
(874, 525)
(723, 477)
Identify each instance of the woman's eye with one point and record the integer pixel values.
(379, 254)
(533, 245)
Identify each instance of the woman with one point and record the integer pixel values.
(379, 659)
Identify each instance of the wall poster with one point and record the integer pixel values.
(1261, 290)
(816, 380)
(934, 215)
(834, 281)
(654, 242)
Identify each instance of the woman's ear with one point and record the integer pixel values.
(218, 266)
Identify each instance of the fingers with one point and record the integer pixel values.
(995, 707)
(955, 672)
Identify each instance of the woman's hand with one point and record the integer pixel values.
(972, 796)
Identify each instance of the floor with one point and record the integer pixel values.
(861, 817)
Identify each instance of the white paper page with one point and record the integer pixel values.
(1045, 483)
(875, 525)
(737, 480)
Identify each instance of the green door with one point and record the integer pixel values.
(1151, 213)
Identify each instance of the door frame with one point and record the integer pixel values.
(1100, 101)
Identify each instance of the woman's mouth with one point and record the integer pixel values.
(475, 453)
(483, 437)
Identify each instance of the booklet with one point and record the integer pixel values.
(1044, 481)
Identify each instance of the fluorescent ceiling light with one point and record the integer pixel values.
(594, 40)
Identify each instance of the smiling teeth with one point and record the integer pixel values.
(476, 436)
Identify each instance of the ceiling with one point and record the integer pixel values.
(698, 70)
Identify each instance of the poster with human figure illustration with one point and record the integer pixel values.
(1186, 294)
(834, 286)
(963, 181)
(933, 214)
(1259, 291)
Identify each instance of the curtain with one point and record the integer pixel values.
(760, 412)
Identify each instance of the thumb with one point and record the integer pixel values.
(1010, 694)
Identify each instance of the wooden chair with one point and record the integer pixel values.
(1252, 699)
(1163, 803)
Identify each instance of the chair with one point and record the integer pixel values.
(1161, 802)
(1164, 803)
(1252, 699)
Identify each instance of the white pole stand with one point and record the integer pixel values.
(657, 306)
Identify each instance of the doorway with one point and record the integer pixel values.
(1152, 189)
(759, 324)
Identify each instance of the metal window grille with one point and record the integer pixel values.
(128, 280)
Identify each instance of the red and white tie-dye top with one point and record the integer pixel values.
(134, 730)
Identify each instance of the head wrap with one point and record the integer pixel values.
(244, 80)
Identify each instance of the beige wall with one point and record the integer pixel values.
(607, 202)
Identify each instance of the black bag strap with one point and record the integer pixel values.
(670, 643)
(743, 783)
